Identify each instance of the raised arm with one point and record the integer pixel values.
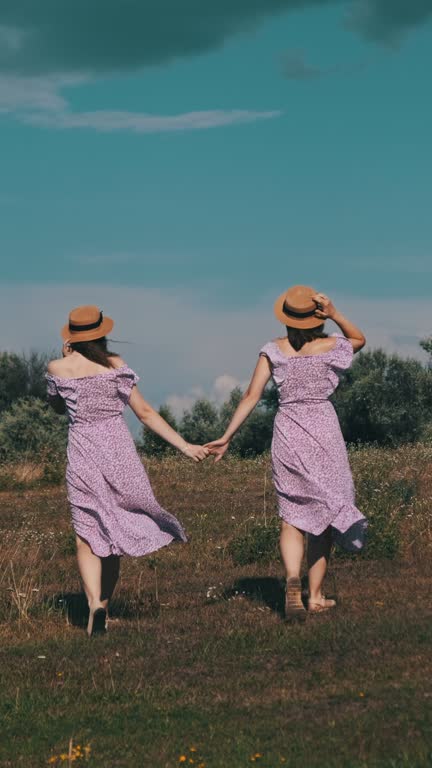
(249, 401)
(326, 309)
(154, 421)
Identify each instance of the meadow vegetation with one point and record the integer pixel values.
(198, 667)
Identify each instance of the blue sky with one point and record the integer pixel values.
(211, 155)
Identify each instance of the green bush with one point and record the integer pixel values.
(255, 435)
(385, 493)
(31, 429)
(385, 507)
(258, 545)
(21, 376)
(384, 399)
(201, 423)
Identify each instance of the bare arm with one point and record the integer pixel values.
(328, 310)
(55, 401)
(249, 401)
(154, 421)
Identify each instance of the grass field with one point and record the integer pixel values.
(198, 667)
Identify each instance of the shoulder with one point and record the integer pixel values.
(342, 351)
(117, 362)
(265, 351)
(55, 367)
(326, 344)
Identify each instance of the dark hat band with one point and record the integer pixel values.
(89, 327)
(300, 315)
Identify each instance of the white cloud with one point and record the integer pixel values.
(192, 350)
(39, 101)
(224, 385)
(24, 93)
(11, 39)
(217, 393)
(107, 121)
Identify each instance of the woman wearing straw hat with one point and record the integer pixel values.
(310, 465)
(114, 511)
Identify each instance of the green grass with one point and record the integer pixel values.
(197, 655)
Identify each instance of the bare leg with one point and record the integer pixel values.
(292, 549)
(90, 568)
(110, 574)
(318, 555)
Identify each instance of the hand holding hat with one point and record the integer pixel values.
(325, 307)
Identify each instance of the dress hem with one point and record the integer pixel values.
(112, 550)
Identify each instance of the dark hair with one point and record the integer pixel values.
(299, 336)
(97, 351)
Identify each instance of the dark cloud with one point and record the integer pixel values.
(389, 20)
(40, 37)
(296, 67)
(104, 35)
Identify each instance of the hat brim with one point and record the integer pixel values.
(294, 322)
(96, 333)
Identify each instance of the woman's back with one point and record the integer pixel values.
(77, 366)
(308, 377)
(92, 392)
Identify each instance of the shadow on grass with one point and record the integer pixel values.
(75, 607)
(267, 590)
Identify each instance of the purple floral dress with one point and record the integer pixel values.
(310, 464)
(112, 502)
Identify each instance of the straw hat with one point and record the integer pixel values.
(86, 324)
(296, 309)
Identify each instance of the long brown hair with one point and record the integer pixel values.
(299, 336)
(97, 351)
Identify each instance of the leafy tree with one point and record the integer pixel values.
(426, 344)
(21, 376)
(30, 428)
(270, 398)
(13, 379)
(384, 399)
(201, 423)
(152, 444)
(255, 436)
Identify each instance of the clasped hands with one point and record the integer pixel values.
(216, 448)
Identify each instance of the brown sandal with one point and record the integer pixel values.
(294, 608)
(327, 605)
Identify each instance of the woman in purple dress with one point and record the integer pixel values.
(114, 511)
(311, 472)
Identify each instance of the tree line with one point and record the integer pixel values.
(382, 399)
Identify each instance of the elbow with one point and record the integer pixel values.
(359, 343)
(250, 399)
(145, 415)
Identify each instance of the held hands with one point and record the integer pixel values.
(218, 448)
(325, 308)
(195, 452)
